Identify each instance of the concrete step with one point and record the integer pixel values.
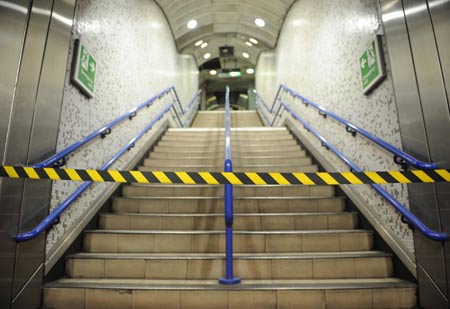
(343, 265)
(210, 205)
(117, 241)
(234, 147)
(221, 143)
(250, 294)
(188, 153)
(280, 168)
(138, 190)
(247, 222)
(234, 138)
(180, 162)
(220, 156)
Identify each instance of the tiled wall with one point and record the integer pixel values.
(317, 55)
(136, 58)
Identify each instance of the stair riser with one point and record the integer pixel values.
(215, 243)
(216, 206)
(377, 298)
(215, 155)
(221, 143)
(201, 269)
(234, 138)
(239, 191)
(235, 147)
(241, 223)
(245, 168)
(177, 153)
(237, 162)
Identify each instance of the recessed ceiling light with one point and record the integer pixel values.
(245, 55)
(260, 22)
(204, 45)
(248, 44)
(192, 24)
(250, 71)
(198, 43)
(254, 41)
(207, 55)
(213, 72)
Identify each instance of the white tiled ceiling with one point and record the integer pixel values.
(225, 22)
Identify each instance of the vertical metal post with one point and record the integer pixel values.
(228, 199)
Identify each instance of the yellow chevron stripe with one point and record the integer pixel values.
(351, 178)
(375, 177)
(399, 177)
(303, 179)
(95, 176)
(185, 178)
(52, 173)
(162, 177)
(232, 178)
(117, 176)
(423, 176)
(208, 178)
(279, 178)
(11, 171)
(329, 180)
(140, 178)
(73, 174)
(31, 173)
(444, 174)
(257, 180)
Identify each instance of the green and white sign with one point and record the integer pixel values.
(372, 65)
(84, 67)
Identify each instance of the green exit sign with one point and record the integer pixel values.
(372, 66)
(84, 67)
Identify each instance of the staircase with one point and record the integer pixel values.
(163, 245)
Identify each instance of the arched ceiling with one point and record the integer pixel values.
(225, 23)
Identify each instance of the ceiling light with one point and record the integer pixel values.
(204, 45)
(235, 73)
(260, 22)
(192, 24)
(250, 71)
(254, 41)
(207, 55)
(245, 55)
(198, 43)
(213, 72)
(248, 44)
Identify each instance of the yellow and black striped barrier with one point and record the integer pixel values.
(239, 178)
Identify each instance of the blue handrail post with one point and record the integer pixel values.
(228, 199)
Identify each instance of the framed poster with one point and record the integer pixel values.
(84, 67)
(372, 65)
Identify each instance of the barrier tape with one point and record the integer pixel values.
(238, 178)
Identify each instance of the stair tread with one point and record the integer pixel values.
(221, 198)
(248, 256)
(281, 214)
(347, 231)
(306, 284)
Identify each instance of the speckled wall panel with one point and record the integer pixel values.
(318, 56)
(136, 58)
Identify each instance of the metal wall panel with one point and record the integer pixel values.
(417, 68)
(13, 21)
(36, 195)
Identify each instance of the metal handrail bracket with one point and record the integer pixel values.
(402, 158)
(409, 217)
(228, 199)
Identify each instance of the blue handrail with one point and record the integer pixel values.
(191, 111)
(58, 159)
(263, 103)
(54, 215)
(400, 157)
(228, 198)
(406, 214)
